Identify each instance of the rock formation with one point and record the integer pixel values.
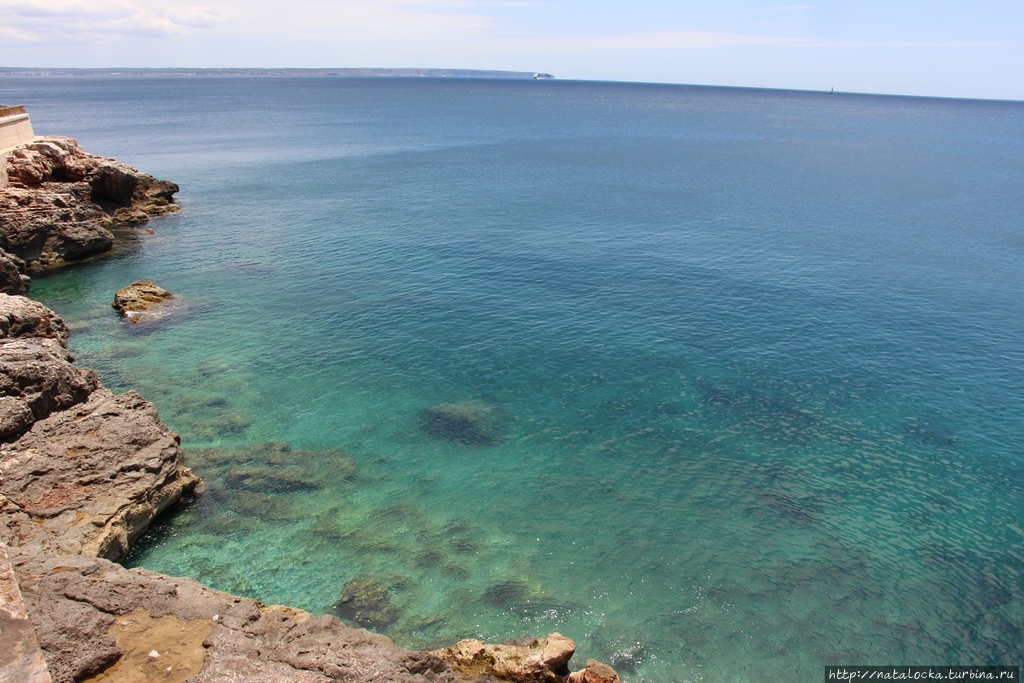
(61, 202)
(141, 301)
(594, 672)
(13, 278)
(537, 660)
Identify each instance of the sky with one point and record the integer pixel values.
(940, 48)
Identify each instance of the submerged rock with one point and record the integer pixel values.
(505, 593)
(466, 422)
(269, 481)
(365, 601)
(141, 301)
(537, 660)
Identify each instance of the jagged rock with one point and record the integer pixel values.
(90, 479)
(38, 373)
(140, 301)
(61, 202)
(595, 672)
(537, 660)
(88, 612)
(20, 657)
(467, 422)
(23, 317)
(365, 601)
(15, 416)
(13, 279)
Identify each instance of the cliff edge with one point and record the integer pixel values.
(61, 202)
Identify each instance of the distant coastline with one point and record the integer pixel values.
(342, 72)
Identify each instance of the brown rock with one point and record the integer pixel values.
(92, 478)
(20, 657)
(37, 372)
(22, 317)
(13, 279)
(537, 660)
(15, 416)
(558, 650)
(141, 301)
(596, 672)
(89, 612)
(61, 202)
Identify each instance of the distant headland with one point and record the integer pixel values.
(342, 72)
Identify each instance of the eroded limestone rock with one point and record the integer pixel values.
(61, 203)
(23, 317)
(13, 278)
(141, 301)
(536, 660)
(595, 672)
(38, 374)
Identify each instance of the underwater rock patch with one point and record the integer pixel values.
(269, 481)
(466, 422)
(365, 601)
(929, 434)
(264, 506)
(504, 593)
(796, 509)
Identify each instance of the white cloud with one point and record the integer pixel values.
(443, 25)
(698, 39)
(17, 35)
(96, 20)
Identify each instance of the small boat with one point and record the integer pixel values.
(832, 91)
(542, 76)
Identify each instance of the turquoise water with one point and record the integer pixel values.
(750, 363)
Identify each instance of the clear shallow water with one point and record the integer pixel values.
(754, 359)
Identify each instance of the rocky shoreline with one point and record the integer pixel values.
(83, 472)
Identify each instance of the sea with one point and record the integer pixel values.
(723, 384)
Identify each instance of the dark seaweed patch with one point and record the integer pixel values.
(504, 593)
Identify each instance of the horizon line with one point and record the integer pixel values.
(41, 71)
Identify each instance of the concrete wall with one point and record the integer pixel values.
(15, 130)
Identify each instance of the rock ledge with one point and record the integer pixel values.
(61, 203)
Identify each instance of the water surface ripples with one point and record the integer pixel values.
(730, 382)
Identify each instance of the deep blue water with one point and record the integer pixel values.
(751, 363)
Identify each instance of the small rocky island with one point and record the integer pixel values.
(84, 471)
